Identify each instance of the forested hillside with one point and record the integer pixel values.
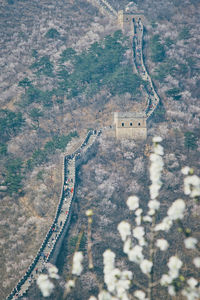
(65, 68)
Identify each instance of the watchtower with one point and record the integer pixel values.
(130, 125)
(126, 20)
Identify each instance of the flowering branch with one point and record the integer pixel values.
(89, 214)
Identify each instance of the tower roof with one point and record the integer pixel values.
(133, 114)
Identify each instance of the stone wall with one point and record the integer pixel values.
(131, 133)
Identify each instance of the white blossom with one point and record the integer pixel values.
(158, 149)
(133, 202)
(123, 297)
(154, 190)
(171, 290)
(108, 260)
(146, 266)
(53, 271)
(138, 212)
(104, 295)
(151, 212)
(192, 186)
(157, 139)
(45, 285)
(196, 262)
(70, 285)
(157, 159)
(154, 204)
(176, 210)
(117, 282)
(191, 292)
(124, 229)
(138, 220)
(174, 265)
(147, 219)
(127, 275)
(122, 286)
(174, 262)
(142, 242)
(155, 172)
(140, 295)
(165, 280)
(127, 246)
(135, 254)
(192, 282)
(92, 298)
(190, 243)
(185, 170)
(89, 212)
(77, 263)
(111, 279)
(165, 225)
(138, 232)
(162, 244)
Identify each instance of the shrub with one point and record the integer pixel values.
(52, 33)
(43, 66)
(25, 83)
(157, 49)
(174, 93)
(184, 34)
(10, 124)
(13, 175)
(190, 141)
(3, 149)
(67, 54)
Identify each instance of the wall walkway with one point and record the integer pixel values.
(151, 95)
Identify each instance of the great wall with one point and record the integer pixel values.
(50, 247)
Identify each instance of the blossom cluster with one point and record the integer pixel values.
(174, 265)
(44, 281)
(156, 168)
(77, 267)
(191, 291)
(118, 282)
(191, 183)
(176, 211)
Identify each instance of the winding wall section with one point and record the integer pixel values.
(51, 245)
(104, 7)
(152, 98)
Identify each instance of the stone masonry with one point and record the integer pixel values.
(126, 20)
(130, 125)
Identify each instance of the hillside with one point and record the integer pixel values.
(53, 89)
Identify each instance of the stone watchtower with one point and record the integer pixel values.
(126, 20)
(130, 125)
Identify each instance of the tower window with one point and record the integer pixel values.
(131, 124)
(139, 124)
(122, 124)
